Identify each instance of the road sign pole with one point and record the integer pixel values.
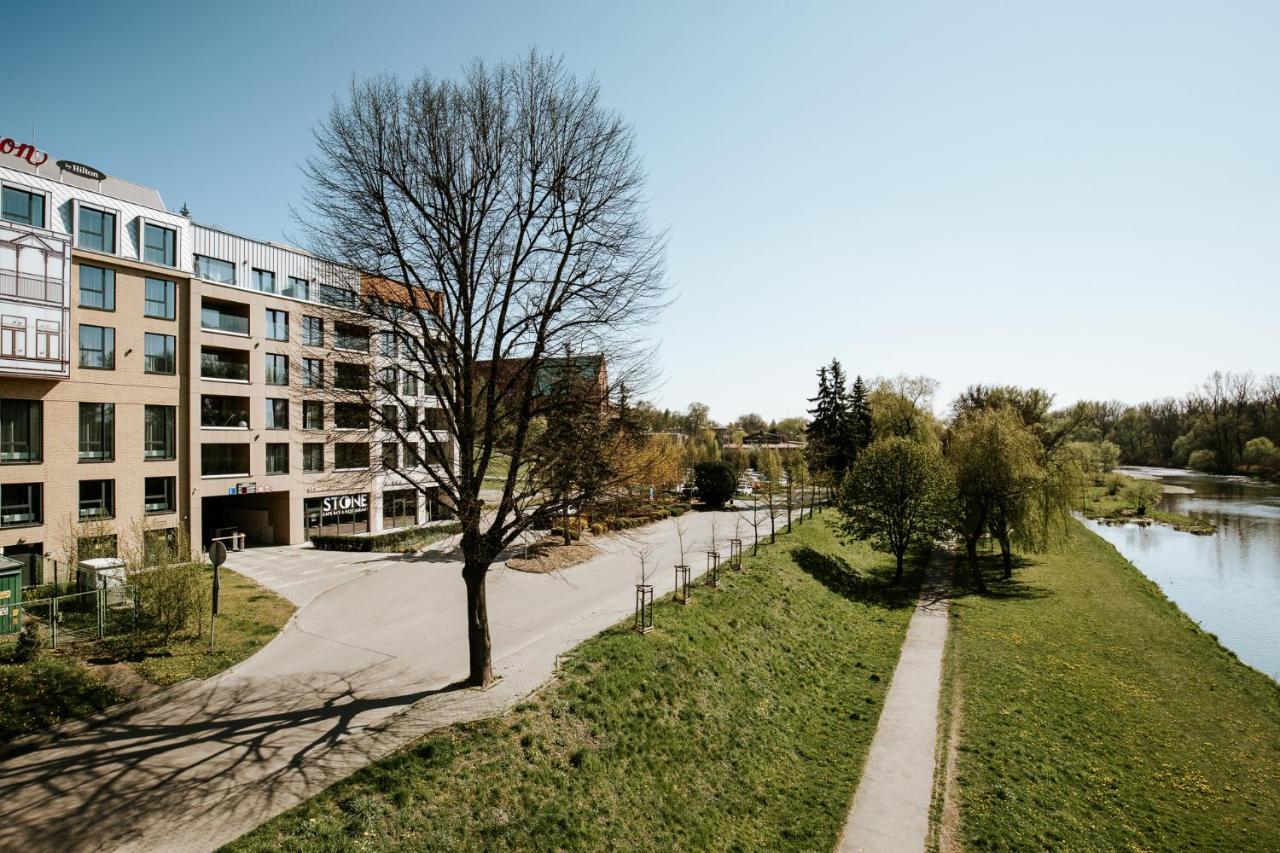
(217, 556)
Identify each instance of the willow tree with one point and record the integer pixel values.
(496, 221)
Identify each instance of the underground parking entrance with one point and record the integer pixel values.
(261, 516)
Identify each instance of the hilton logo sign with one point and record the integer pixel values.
(23, 151)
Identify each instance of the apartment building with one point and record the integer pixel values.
(153, 376)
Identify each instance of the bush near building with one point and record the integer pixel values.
(395, 541)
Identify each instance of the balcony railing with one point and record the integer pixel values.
(212, 368)
(30, 287)
(216, 321)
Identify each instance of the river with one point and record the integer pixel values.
(1228, 582)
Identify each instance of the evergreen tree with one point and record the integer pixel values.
(832, 434)
(860, 415)
(818, 431)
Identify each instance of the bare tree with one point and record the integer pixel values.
(498, 225)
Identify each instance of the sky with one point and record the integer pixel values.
(1079, 196)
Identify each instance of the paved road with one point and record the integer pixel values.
(361, 669)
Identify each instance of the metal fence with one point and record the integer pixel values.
(84, 616)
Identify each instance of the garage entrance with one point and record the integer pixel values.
(263, 517)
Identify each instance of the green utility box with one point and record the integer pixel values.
(10, 595)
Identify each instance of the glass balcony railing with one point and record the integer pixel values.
(214, 320)
(213, 367)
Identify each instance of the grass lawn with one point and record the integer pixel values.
(48, 691)
(1095, 715)
(741, 722)
(249, 616)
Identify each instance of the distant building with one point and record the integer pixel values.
(765, 440)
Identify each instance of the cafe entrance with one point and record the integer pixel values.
(336, 515)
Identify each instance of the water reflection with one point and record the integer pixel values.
(1228, 582)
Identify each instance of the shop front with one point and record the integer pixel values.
(336, 515)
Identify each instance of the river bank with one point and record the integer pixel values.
(1110, 500)
(1092, 712)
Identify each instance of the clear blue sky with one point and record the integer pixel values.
(1083, 196)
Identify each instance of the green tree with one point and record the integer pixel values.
(716, 482)
(860, 421)
(897, 494)
(1143, 495)
(769, 467)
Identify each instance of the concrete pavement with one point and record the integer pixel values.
(364, 667)
(890, 812)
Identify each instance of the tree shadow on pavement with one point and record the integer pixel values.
(837, 575)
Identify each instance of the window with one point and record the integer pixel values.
(408, 384)
(277, 325)
(97, 288)
(313, 331)
(224, 460)
(22, 206)
(437, 453)
(312, 373)
(387, 379)
(313, 456)
(215, 270)
(387, 344)
(13, 335)
(160, 432)
(224, 412)
(277, 414)
(159, 245)
(159, 353)
(229, 317)
(224, 364)
(161, 546)
(97, 499)
(352, 377)
(160, 494)
(347, 336)
(48, 339)
(410, 417)
(277, 369)
(390, 455)
(97, 347)
(97, 230)
(410, 455)
(264, 281)
(390, 416)
(435, 419)
(97, 432)
(312, 414)
(299, 288)
(350, 416)
(351, 455)
(277, 459)
(161, 299)
(21, 430)
(21, 503)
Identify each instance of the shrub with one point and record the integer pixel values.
(598, 529)
(716, 482)
(558, 532)
(1202, 460)
(1261, 453)
(1143, 495)
(29, 641)
(170, 597)
(398, 540)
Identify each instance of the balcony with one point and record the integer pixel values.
(229, 317)
(34, 287)
(224, 364)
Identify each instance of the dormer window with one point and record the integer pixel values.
(21, 206)
(96, 229)
(159, 244)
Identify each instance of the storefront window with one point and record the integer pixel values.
(337, 515)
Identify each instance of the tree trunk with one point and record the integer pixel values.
(897, 575)
(568, 540)
(479, 646)
(788, 509)
(773, 531)
(971, 547)
(1006, 556)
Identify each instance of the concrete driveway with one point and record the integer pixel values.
(364, 666)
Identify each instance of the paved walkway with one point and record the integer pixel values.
(362, 668)
(890, 812)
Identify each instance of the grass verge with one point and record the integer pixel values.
(1098, 716)
(249, 616)
(741, 722)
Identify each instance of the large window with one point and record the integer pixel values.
(351, 377)
(161, 299)
(313, 456)
(21, 430)
(351, 455)
(337, 514)
(350, 416)
(97, 432)
(277, 459)
(159, 353)
(224, 460)
(387, 344)
(264, 280)
(97, 230)
(312, 373)
(347, 336)
(390, 416)
(224, 364)
(160, 432)
(277, 325)
(97, 347)
(399, 508)
(277, 369)
(160, 494)
(390, 456)
(224, 412)
(22, 206)
(21, 504)
(97, 499)
(299, 288)
(229, 317)
(408, 384)
(313, 331)
(159, 245)
(277, 414)
(97, 288)
(213, 269)
(312, 414)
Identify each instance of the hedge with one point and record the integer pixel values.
(397, 540)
